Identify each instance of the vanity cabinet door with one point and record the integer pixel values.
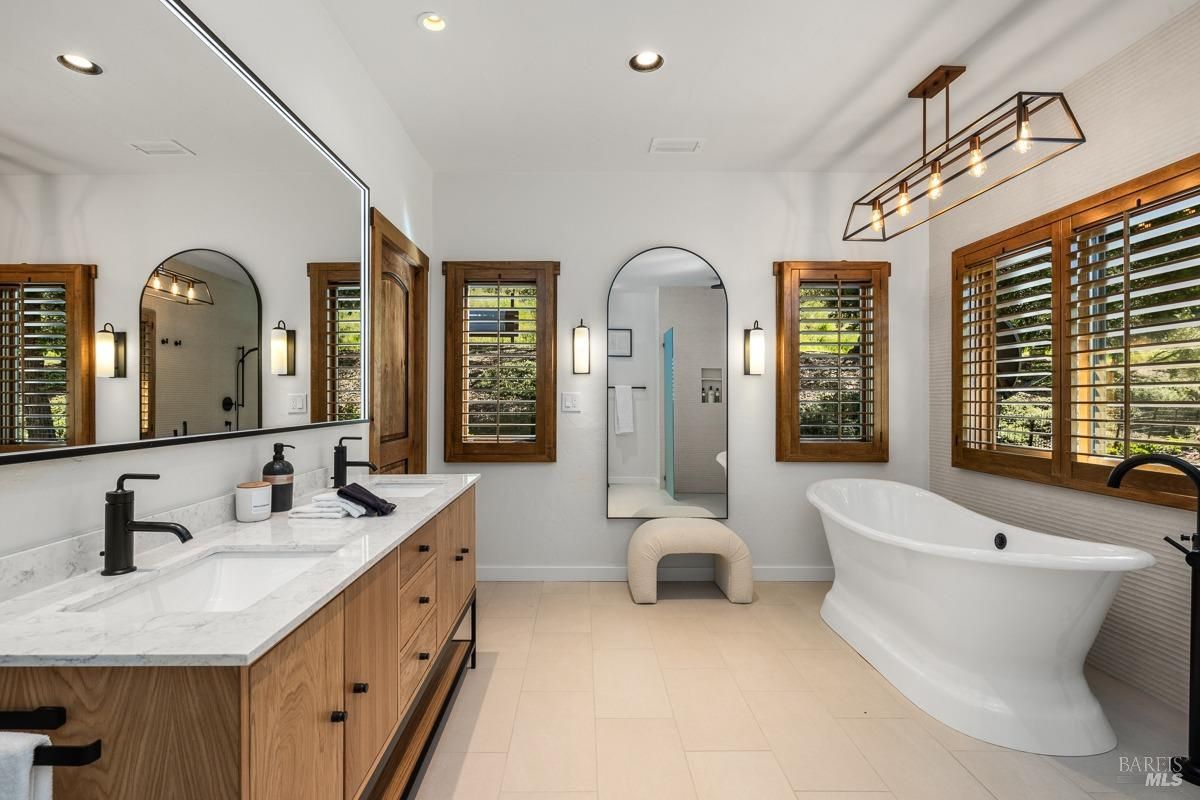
(463, 518)
(296, 746)
(456, 560)
(372, 684)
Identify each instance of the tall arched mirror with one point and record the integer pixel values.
(668, 382)
(199, 347)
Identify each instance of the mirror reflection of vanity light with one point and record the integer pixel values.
(756, 348)
(283, 350)
(582, 362)
(110, 352)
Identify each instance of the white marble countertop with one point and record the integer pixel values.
(39, 629)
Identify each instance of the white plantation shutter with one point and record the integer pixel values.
(499, 358)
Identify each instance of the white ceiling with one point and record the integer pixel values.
(769, 84)
(159, 82)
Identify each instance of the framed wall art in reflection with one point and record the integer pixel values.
(620, 343)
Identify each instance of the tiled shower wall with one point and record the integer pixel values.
(1139, 111)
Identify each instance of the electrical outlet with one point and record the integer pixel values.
(570, 402)
(297, 403)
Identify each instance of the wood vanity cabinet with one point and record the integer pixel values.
(312, 719)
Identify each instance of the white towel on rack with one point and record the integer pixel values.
(623, 410)
(17, 772)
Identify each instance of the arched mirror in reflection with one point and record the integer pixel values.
(199, 347)
(667, 388)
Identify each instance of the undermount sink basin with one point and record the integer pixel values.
(406, 488)
(221, 581)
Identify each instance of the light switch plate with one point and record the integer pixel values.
(570, 402)
(297, 403)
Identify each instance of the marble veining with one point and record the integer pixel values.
(40, 629)
(38, 567)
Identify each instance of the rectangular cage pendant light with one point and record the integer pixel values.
(1024, 131)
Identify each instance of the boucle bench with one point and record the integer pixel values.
(664, 537)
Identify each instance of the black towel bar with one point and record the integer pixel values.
(65, 755)
(44, 718)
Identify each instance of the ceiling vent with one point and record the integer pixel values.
(678, 146)
(168, 147)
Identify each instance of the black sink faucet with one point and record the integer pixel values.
(119, 526)
(1189, 768)
(340, 463)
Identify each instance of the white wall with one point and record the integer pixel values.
(548, 520)
(1139, 111)
(635, 456)
(296, 48)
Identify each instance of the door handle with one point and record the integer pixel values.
(423, 600)
(466, 550)
(337, 716)
(361, 688)
(422, 548)
(422, 656)
(459, 558)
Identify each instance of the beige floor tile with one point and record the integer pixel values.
(547, 796)
(710, 711)
(793, 629)
(778, 593)
(506, 590)
(508, 639)
(564, 613)
(847, 685)
(641, 759)
(689, 590)
(757, 664)
(682, 642)
(1020, 776)
(812, 749)
(738, 776)
(721, 616)
(1073, 770)
(911, 762)
(565, 587)
(462, 776)
(610, 593)
(553, 744)
(524, 607)
(840, 796)
(619, 627)
(559, 662)
(485, 589)
(481, 719)
(629, 684)
(947, 737)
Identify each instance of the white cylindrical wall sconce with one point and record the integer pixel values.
(582, 361)
(110, 352)
(756, 350)
(283, 350)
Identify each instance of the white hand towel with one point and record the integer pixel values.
(17, 772)
(623, 410)
(333, 500)
(317, 512)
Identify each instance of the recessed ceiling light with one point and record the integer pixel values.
(646, 61)
(77, 63)
(432, 22)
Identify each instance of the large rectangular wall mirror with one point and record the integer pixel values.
(668, 382)
(181, 256)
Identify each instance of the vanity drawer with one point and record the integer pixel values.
(417, 601)
(417, 658)
(417, 550)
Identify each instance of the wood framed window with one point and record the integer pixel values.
(1077, 341)
(336, 337)
(148, 368)
(47, 356)
(832, 361)
(501, 323)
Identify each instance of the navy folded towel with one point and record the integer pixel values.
(375, 505)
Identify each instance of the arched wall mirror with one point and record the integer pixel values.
(668, 376)
(199, 353)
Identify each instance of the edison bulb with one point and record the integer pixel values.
(935, 181)
(191, 293)
(876, 217)
(174, 286)
(902, 201)
(1024, 138)
(978, 165)
(156, 282)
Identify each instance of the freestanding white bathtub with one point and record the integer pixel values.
(989, 641)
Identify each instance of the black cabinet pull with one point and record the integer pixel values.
(466, 550)
(422, 548)
(361, 688)
(422, 656)
(337, 716)
(423, 600)
(459, 558)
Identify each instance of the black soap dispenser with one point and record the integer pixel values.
(280, 474)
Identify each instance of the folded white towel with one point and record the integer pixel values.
(333, 500)
(23, 780)
(623, 410)
(317, 512)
